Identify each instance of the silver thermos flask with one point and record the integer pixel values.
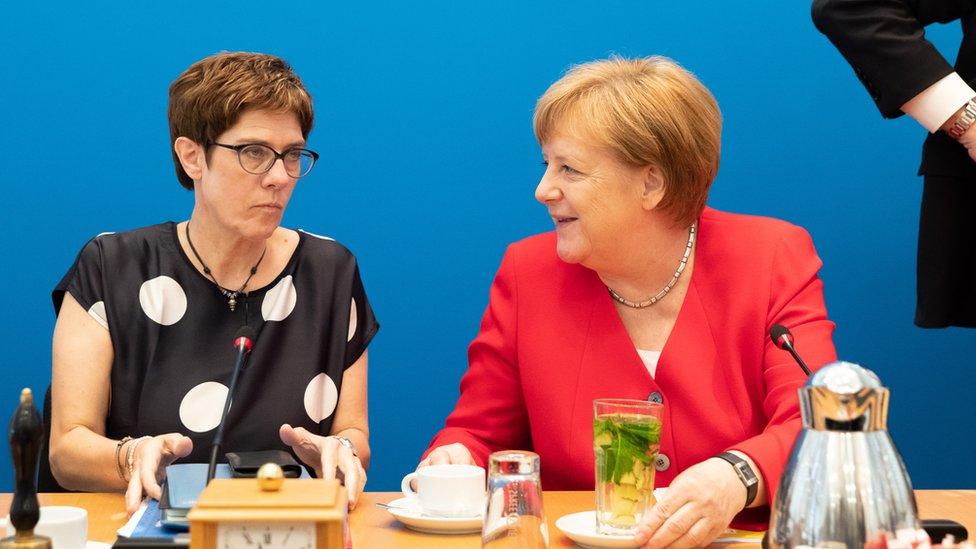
(845, 483)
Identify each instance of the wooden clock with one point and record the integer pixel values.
(269, 514)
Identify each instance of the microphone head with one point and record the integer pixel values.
(245, 336)
(781, 336)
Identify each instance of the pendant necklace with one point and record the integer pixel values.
(231, 295)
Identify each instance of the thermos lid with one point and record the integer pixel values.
(843, 396)
(513, 462)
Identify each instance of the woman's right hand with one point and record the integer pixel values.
(455, 453)
(968, 140)
(149, 465)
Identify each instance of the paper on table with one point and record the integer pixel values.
(733, 535)
(145, 523)
(128, 527)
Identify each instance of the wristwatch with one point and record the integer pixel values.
(746, 474)
(963, 121)
(343, 441)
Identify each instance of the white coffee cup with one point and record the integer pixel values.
(449, 490)
(66, 526)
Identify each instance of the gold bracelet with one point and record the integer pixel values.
(118, 451)
(131, 457)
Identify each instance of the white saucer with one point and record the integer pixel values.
(409, 514)
(581, 528)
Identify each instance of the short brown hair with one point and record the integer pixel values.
(646, 111)
(210, 96)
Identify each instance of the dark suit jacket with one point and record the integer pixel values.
(551, 341)
(884, 41)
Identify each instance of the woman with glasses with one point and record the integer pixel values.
(144, 341)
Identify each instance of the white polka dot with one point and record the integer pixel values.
(97, 311)
(321, 397)
(353, 319)
(279, 302)
(163, 300)
(317, 235)
(201, 407)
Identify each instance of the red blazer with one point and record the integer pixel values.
(551, 342)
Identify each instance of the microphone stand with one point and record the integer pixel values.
(789, 347)
(243, 349)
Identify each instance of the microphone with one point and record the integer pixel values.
(243, 342)
(783, 339)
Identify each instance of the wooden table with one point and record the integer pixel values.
(373, 527)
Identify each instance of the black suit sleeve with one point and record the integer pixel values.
(884, 41)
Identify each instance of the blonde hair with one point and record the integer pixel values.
(647, 111)
(210, 96)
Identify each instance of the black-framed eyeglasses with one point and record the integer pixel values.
(257, 159)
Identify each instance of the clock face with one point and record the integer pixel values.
(266, 535)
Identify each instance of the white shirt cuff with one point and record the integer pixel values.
(937, 103)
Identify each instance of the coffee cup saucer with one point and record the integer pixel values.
(581, 528)
(408, 512)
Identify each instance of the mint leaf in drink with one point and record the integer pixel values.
(627, 444)
(642, 434)
(626, 454)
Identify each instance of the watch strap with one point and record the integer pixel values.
(745, 474)
(963, 120)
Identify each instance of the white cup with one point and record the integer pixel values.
(66, 526)
(448, 490)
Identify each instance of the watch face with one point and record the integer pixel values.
(745, 473)
(267, 535)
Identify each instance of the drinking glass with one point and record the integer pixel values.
(514, 518)
(626, 437)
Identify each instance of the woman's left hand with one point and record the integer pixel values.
(325, 455)
(698, 506)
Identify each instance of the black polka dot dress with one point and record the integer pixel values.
(172, 334)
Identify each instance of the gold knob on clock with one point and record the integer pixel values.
(270, 477)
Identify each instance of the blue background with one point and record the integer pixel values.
(429, 165)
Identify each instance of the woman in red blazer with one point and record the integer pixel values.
(644, 293)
